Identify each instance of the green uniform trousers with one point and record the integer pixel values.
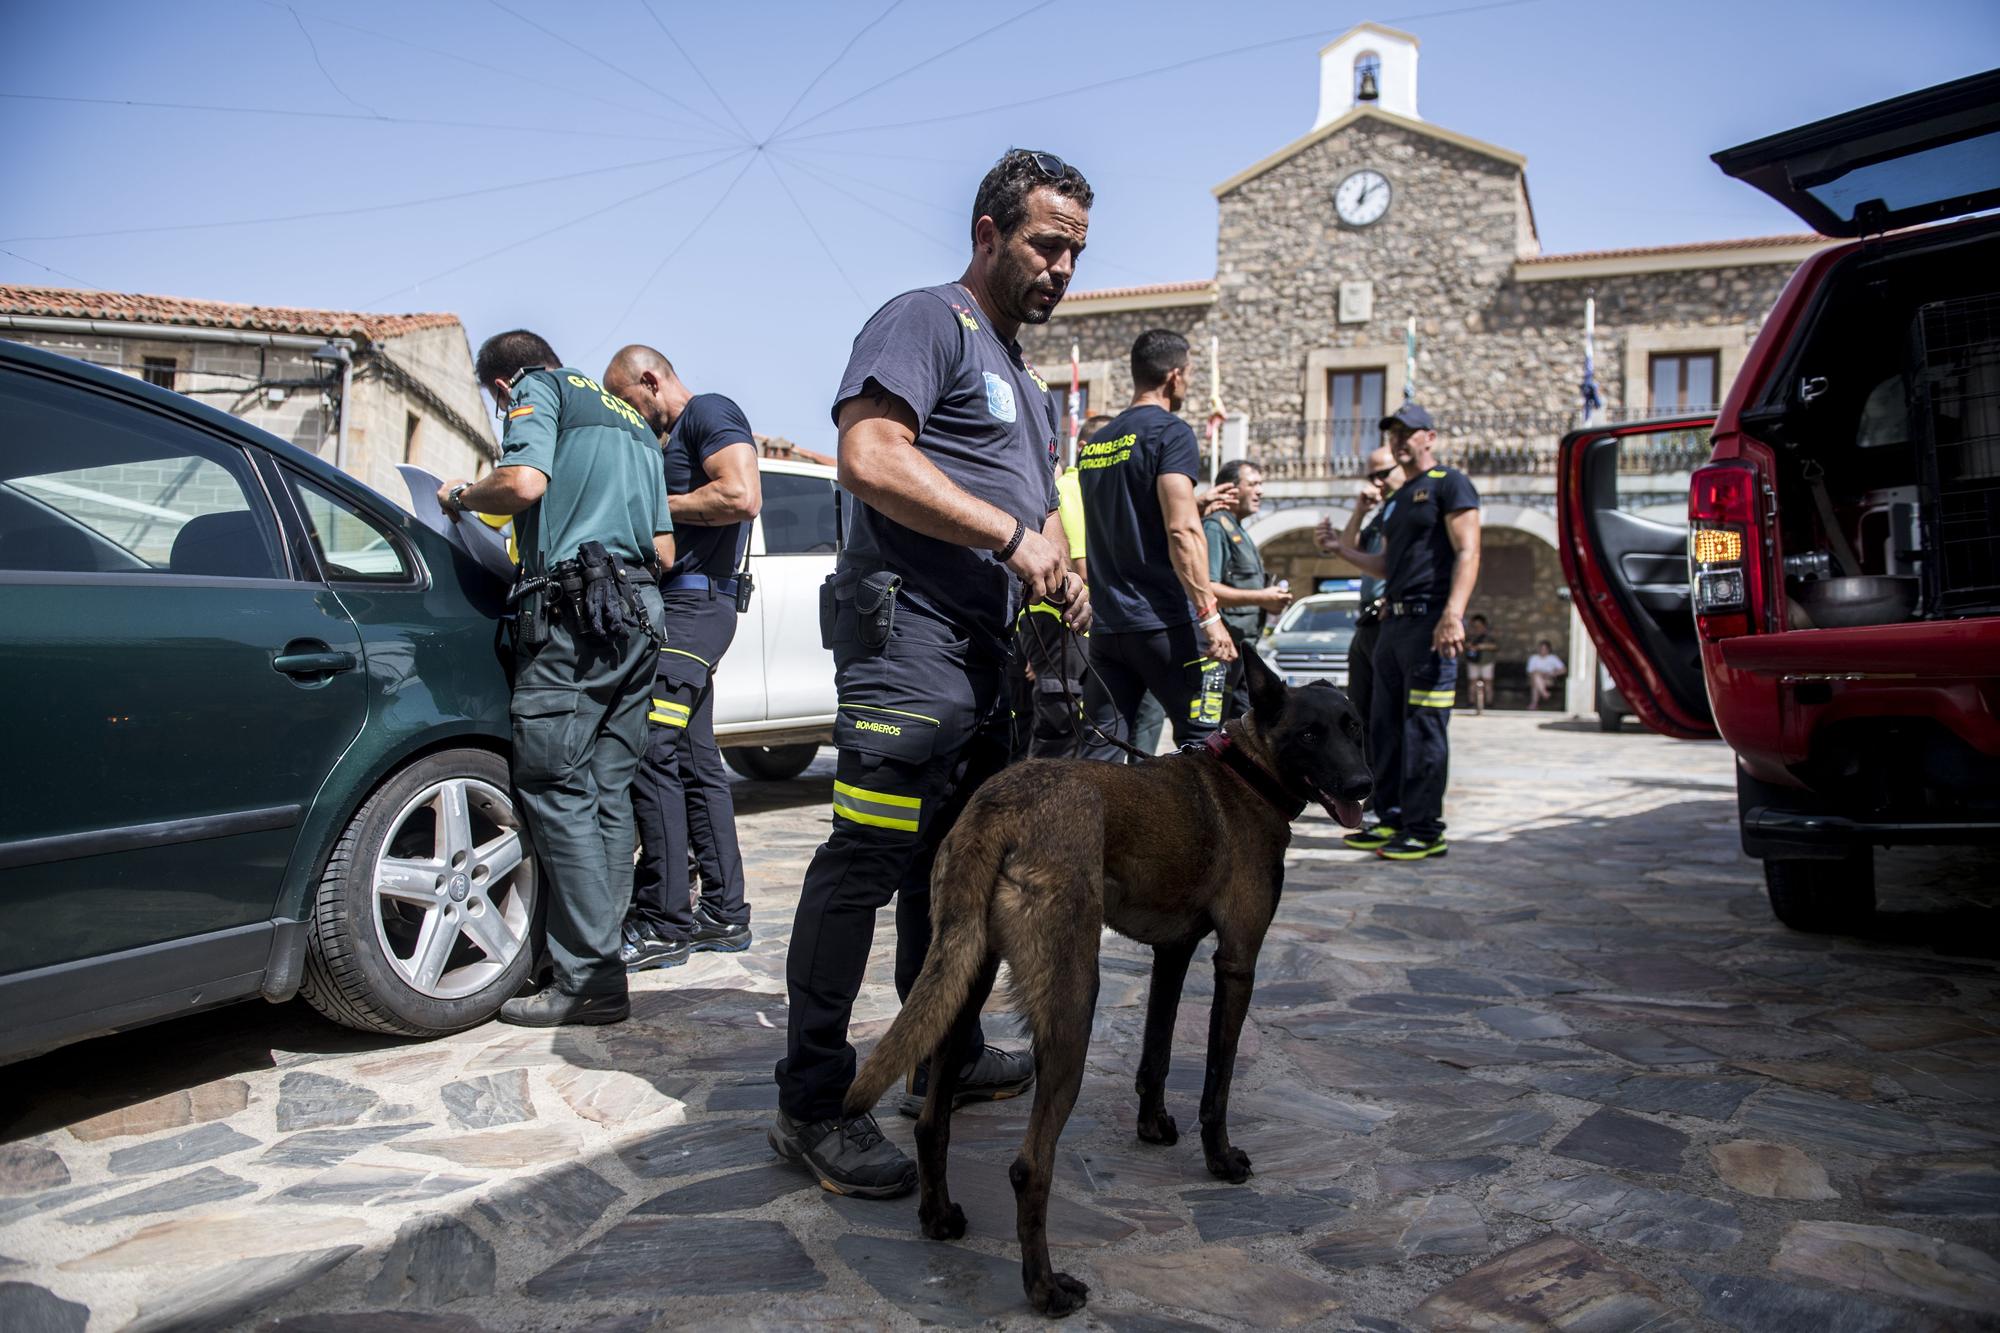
(579, 722)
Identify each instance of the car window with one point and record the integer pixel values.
(352, 545)
(798, 515)
(1321, 619)
(89, 484)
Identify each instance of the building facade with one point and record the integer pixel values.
(1379, 253)
(365, 392)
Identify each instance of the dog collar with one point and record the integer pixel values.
(1255, 775)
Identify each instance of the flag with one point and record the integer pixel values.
(1410, 359)
(1075, 398)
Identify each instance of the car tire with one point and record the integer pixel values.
(770, 763)
(1823, 897)
(439, 839)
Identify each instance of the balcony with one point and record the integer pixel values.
(1481, 444)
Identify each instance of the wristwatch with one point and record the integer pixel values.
(452, 497)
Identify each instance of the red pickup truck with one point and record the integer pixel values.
(1831, 607)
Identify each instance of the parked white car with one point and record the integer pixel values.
(774, 695)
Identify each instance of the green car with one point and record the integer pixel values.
(255, 728)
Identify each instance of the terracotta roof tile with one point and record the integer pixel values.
(66, 303)
(1144, 289)
(1693, 247)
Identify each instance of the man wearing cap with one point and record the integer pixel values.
(1429, 565)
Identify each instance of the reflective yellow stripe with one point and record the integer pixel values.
(893, 712)
(879, 797)
(1433, 698)
(668, 720)
(669, 706)
(682, 652)
(880, 821)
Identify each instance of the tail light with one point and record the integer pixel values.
(1725, 565)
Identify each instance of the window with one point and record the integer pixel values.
(412, 424)
(1682, 381)
(159, 370)
(798, 515)
(92, 485)
(352, 545)
(1354, 412)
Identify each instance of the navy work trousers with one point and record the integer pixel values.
(1409, 725)
(922, 721)
(1173, 665)
(680, 797)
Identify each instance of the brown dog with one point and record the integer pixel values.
(1165, 852)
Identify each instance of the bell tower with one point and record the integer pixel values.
(1369, 65)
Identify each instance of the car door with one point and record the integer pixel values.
(801, 536)
(1623, 542)
(176, 692)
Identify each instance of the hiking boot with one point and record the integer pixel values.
(1409, 847)
(551, 1008)
(641, 950)
(849, 1156)
(993, 1076)
(1370, 838)
(711, 934)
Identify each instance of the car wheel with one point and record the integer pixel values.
(770, 763)
(1607, 720)
(1823, 897)
(426, 918)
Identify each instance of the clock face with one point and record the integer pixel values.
(1362, 198)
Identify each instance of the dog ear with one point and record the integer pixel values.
(1267, 691)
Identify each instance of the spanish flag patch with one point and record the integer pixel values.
(524, 410)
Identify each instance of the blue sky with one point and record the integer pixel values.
(753, 267)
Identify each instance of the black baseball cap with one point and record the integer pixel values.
(1410, 416)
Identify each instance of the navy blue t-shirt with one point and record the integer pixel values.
(1419, 548)
(985, 419)
(708, 424)
(1132, 582)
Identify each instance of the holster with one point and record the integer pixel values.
(875, 606)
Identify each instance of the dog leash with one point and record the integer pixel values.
(1082, 723)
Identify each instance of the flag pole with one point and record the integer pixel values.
(1592, 400)
(1215, 416)
(1410, 359)
(1075, 402)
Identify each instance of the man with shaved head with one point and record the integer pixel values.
(681, 799)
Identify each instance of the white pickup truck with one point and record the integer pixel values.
(774, 695)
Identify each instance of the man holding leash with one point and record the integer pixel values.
(948, 447)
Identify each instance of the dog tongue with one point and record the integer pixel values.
(1345, 813)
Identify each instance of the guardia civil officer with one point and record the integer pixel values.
(681, 798)
(1236, 576)
(1429, 564)
(948, 446)
(1157, 625)
(582, 472)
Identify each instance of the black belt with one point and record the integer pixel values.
(1414, 607)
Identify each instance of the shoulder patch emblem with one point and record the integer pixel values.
(965, 317)
(999, 397)
(1420, 497)
(524, 410)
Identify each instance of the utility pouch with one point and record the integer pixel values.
(875, 606)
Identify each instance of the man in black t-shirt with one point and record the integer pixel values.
(948, 447)
(1430, 564)
(681, 798)
(1157, 624)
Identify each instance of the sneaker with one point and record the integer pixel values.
(642, 950)
(1370, 838)
(551, 1008)
(1410, 847)
(717, 936)
(848, 1156)
(994, 1076)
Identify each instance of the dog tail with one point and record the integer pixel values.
(962, 883)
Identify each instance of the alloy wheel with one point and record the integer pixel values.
(453, 889)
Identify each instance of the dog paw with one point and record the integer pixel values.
(1233, 1165)
(1060, 1295)
(946, 1225)
(1159, 1129)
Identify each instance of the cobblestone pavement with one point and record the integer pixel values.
(1571, 1077)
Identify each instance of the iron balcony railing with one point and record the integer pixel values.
(1483, 444)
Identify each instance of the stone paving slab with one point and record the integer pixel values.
(1571, 1077)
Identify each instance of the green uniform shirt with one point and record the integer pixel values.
(1233, 562)
(606, 482)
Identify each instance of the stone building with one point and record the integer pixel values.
(365, 392)
(1380, 251)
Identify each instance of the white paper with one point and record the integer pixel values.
(486, 545)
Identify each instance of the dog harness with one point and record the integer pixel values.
(1255, 775)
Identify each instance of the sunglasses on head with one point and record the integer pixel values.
(1382, 475)
(1051, 166)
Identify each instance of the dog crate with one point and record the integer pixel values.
(1956, 377)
